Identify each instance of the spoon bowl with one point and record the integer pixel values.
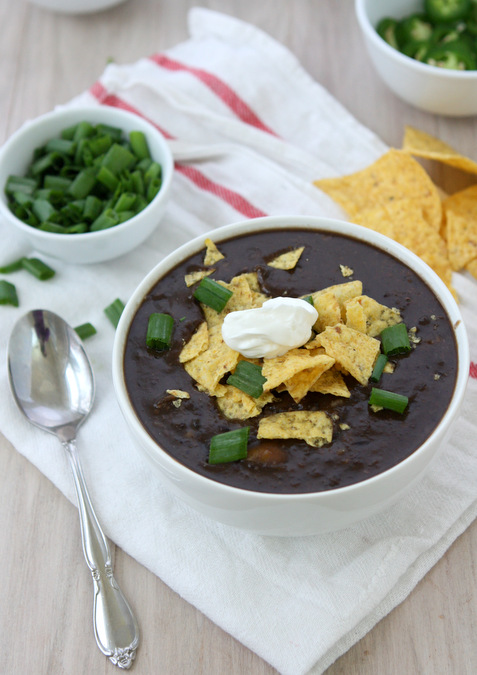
(52, 382)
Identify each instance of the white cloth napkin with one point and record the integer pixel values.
(251, 130)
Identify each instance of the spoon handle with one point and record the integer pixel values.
(115, 626)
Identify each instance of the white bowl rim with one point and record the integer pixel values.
(424, 68)
(296, 222)
(167, 164)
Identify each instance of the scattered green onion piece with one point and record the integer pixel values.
(52, 227)
(8, 293)
(139, 144)
(54, 182)
(378, 368)
(92, 207)
(229, 446)
(309, 298)
(99, 145)
(389, 400)
(61, 145)
(85, 330)
(248, 378)
(77, 228)
(115, 132)
(114, 311)
(43, 210)
(212, 294)
(38, 268)
(53, 160)
(153, 188)
(20, 184)
(395, 340)
(118, 158)
(108, 218)
(125, 202)
(159, 331)
(83, 184)
(12, 267)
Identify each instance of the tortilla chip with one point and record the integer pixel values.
(282, 368)
(288, 260)
(346, 271)
(314, 427)
(208, 368)
(420, 144)
(352, 350)
(300, 384)
(328, 308)
(212, 253)
(342, 293)
(178, 393)
(461, 226)
(394, 176)
(369, 316)
(236, 404)
(331, 382)
(193, 277)
(197, 344)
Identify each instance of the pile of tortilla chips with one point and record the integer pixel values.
(396, 197)
(343, 341)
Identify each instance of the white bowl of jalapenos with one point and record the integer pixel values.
(425, 51)
(85, 185)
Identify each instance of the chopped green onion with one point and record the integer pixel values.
(114, 311)
(38, 268)
(388, 399)
(159, 331)
(118, 158)
(212, 294)
(82, 185)
(395, 340)
(378, 368)
(229, 446)
(8, 293)
(87, 171)
(20, 184)
(248, 378)
(12, 267)
(309, 298)
(139, 144)
(85, 330)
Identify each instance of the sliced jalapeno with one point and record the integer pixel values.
(454, 55)
(447, 10)
(386, 29)
(414, 28)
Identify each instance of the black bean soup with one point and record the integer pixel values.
(365, 443)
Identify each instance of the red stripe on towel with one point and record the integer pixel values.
(238, 202)
(473, 370)
(231, 197)
(220, 89)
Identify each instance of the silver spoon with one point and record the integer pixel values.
(52, 382)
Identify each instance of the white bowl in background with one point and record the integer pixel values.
(76, 6)
(433, 89)
(90, 247)
(290, 514)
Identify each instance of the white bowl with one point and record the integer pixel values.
(76, 6)
(433, 89)
(290, 514)
(90, 247)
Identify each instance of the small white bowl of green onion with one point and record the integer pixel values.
(85, 185)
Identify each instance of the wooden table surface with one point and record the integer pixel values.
(45, 589)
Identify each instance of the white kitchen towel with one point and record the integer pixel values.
(250, 130)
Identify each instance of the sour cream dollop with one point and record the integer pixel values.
(271, 330)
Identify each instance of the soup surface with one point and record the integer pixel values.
(365, 442)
